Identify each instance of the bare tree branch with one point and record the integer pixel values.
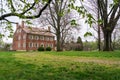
(21, 15)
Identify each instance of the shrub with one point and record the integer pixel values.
(48, 49)
(78, 48)
(41, 48)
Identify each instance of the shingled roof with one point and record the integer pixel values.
(35, 30)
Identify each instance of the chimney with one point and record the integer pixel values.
(49, 28)
(22, 24)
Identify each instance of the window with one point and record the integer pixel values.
(19, 45)
(30, 45)
(19, 37)
(47, 45)
(47, 38)
(36, 45)
(33, 44)
(30, 36)
(51, 45)
(42, 44)
(24, 45)
(41, 37)
(33, 37)
(24, 36)
(36, 37)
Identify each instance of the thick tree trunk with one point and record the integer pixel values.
(107, 41)
(58, 42)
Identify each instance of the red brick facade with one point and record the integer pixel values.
(29, 38)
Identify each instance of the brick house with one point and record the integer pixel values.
(30, 38)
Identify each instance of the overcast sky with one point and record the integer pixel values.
(84, 28)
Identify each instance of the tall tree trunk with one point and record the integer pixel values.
(58, 42)
(107, 41)
(99, 39)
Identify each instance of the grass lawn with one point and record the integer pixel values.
(68, 65)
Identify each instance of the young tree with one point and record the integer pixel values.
(79, 41)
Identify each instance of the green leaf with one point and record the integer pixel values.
(88, 34)
(100, 21)
(73, 22)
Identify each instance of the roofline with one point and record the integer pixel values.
(41, 35)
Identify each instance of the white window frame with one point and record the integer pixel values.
(30, 36)
(42, 44)
(36, 45)
(30, 45)
(41, 37)
(36, 37)
(51, 45)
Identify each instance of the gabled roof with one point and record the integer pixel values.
(37, 31)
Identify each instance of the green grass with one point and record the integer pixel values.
(115, 54)
(68, 65)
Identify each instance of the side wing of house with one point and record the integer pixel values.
(19, 39)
